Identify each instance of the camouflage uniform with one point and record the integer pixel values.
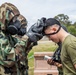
(10, 62)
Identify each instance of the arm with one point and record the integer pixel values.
(35, 32)
(5, 50)
(51, 62)
(71, 49)
(56, 57)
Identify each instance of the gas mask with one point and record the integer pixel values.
(16, 27)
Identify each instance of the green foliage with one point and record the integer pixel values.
(72, 30)
(74, 24)
(64, 20)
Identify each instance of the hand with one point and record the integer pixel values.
(58, 64)
(50, 62)
(38, 26)
(35, 32)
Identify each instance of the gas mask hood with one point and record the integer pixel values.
(16, 27)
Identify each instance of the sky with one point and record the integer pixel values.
(36, 9)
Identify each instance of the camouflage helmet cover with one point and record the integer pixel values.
(22, 19)
(6, 14)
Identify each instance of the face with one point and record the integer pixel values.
(50, 33)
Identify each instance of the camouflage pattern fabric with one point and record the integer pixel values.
(7, 12)
(23, 63)
(8, 54)
(22, 19)
(6, 48)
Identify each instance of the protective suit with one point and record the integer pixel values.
(13, 54)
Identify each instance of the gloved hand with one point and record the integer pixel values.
(35, 32)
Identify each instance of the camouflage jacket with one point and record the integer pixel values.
(7, 48)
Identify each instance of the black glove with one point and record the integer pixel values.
(35, 32)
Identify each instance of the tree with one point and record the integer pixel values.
(63, 19)
(74, 24)
(72, 30)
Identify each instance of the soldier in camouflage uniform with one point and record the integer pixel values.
(13, 54)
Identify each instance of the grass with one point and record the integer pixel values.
(43, 46)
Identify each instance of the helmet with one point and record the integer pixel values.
(22, 19)
(7, 12)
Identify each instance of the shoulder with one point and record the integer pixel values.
(70, 39)
(70, 44)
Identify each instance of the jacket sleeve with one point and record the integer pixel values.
(5, 47)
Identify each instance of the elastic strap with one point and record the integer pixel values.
(54, 32)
